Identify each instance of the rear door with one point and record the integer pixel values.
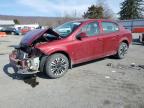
(109, 36)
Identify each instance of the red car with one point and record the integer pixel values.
(54, 51)
(24, 30)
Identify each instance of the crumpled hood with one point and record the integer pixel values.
(33, 35)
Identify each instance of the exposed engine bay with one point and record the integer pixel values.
(28, 50)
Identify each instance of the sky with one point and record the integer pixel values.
(52, 8)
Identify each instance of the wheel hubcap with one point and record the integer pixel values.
(58, 66)
(123, 50)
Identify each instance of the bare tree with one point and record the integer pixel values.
(108, 13)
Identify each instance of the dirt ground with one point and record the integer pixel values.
(104, 83)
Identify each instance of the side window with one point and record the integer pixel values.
(109, 27)
(91, 29)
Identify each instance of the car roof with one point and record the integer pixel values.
(88, 20)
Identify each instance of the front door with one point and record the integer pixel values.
(88, 47)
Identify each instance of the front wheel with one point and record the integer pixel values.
(122, 50)
(56, 65)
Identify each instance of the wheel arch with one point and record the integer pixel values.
(125, 41)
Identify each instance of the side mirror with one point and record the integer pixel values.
(81, 35)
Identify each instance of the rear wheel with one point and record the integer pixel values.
(56, 65)
(122, 50)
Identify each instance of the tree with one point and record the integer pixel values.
(94, 12)
(131, 9)
(16, 21)
(108, 13)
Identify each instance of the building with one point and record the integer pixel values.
(133, 23)
(6, 23)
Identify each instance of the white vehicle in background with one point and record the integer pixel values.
(1, 28)
(26, 27)
(32, 26)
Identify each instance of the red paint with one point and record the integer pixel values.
(25, 30)
(88, 48)
(138, 30)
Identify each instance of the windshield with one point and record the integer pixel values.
(67, 28)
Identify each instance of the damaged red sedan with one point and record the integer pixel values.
(54, 51)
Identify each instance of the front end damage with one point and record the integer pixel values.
(23, 62)
(25, 58)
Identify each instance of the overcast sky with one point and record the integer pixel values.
(51, 8)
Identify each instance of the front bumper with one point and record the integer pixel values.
(24, 66)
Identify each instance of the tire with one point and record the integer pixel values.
(42, 63)
(122, 50)
(56, 65)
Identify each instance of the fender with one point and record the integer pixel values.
(51, 50)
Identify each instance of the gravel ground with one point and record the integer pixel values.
(104, 83)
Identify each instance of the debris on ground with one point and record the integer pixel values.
(107, 77)
(133, 65)
(123, 66)
(109, 64)
(141, 66)
(113, 71)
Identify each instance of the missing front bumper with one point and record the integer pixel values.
(24, 66)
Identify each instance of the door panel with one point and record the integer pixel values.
(87, 49)
(110, 37)
(90, 47)
(109, 43)
(97, 47)
(82, 50)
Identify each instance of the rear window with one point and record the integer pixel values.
(109, 27)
